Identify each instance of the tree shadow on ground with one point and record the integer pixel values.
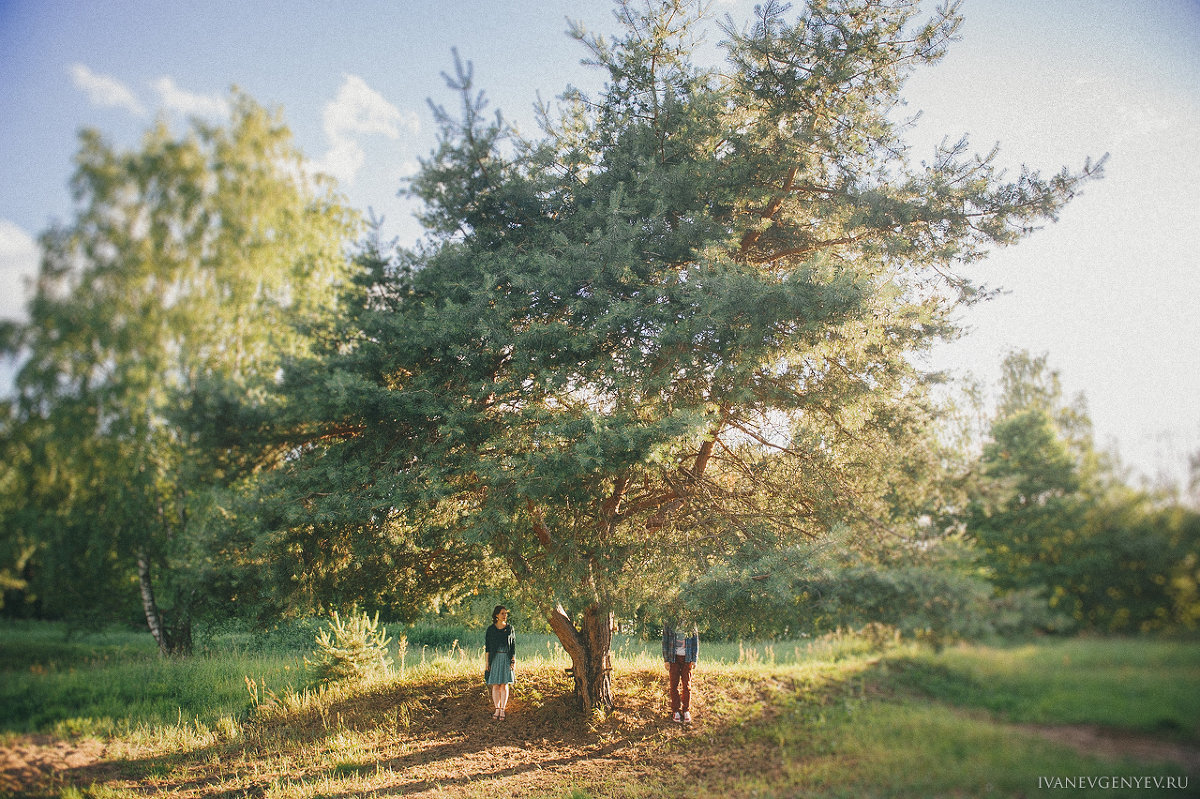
(415, 737)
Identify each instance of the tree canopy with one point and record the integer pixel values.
(192, 268)
(1049, 514)
(671, 327)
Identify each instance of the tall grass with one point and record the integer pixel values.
(50, 645)
(110, 682)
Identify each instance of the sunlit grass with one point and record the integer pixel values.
(113, 694)
(114, 685)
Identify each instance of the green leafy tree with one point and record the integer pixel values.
(1050, 515)
(1032, 492)
(1132, 566)
(621, 338)
(1032, 473)
(193, 266)
(16, 545)
(330, 525)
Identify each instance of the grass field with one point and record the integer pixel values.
(103, 716)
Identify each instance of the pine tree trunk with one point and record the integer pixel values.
(590, 651)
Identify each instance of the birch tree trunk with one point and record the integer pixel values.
(149, 604)
(175, 640)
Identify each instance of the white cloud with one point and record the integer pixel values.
(189, 104)
(408, 169)
(108, 92)
(1142, 120)
(19, 255)
(357, 111)
(105, 91)
(360, 109)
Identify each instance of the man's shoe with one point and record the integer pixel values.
(677, 716)
(687, 717)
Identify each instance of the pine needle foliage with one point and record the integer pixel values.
(354, 649)
(679, 324)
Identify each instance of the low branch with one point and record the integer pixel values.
(568, 636)
(539, 525)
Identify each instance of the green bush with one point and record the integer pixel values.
(933, 603)
(437, 636)
(288, 636)
(351, 650)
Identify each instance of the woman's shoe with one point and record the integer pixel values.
(496, 713)
(502, 715)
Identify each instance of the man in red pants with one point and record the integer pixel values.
(681, 650)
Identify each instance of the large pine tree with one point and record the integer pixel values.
(590, 373)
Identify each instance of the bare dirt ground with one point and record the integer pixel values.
(29, 760)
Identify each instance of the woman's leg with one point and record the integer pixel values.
(495, 699)
(503, 695)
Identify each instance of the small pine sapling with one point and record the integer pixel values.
(351, 650)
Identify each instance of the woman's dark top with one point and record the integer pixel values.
(497, 639)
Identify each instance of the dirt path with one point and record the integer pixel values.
(441, 759)
(1118, 744)
(32, 760)
(438, 742)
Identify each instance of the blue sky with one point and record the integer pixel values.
(1109, 292)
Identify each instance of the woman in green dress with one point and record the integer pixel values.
(499, 659)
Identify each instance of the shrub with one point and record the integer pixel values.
(926, 602)
(352, 650)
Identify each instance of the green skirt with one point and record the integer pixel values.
(500, 672)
